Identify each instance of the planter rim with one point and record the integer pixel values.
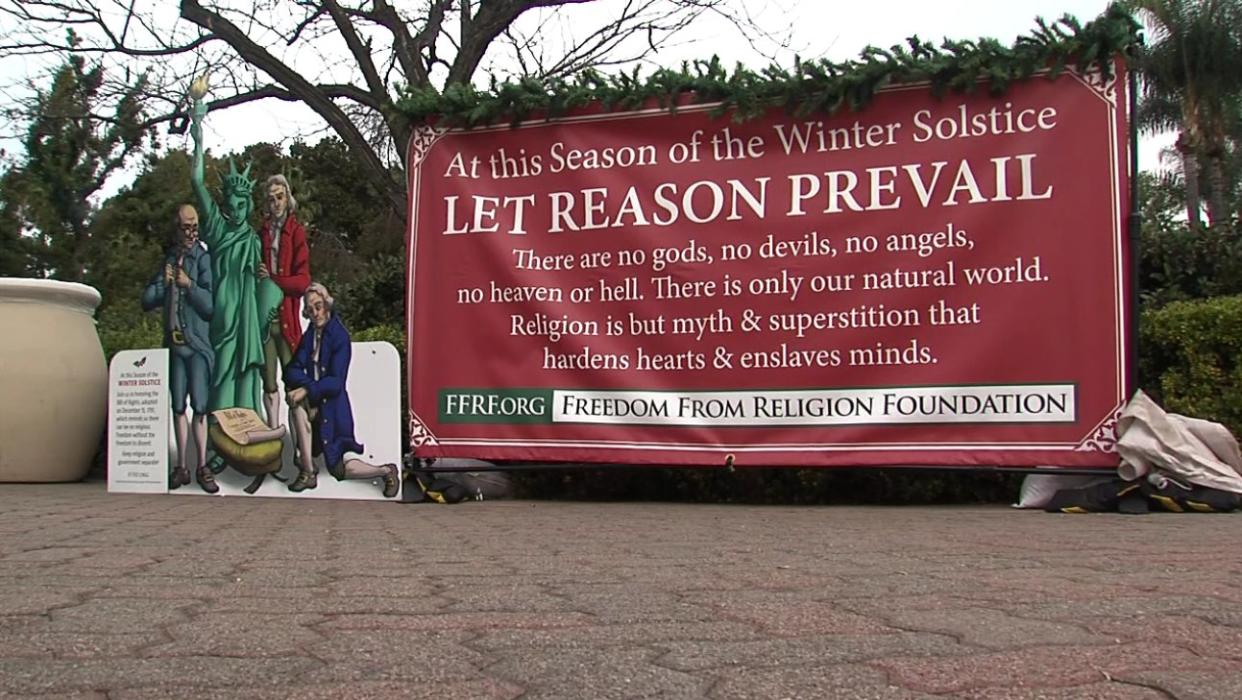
(70, 295)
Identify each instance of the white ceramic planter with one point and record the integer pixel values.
(53, 380)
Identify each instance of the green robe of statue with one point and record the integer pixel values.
(244, 304)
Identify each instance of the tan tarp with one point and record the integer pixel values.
(1187, 449)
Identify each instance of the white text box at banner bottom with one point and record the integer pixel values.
(1022, 403)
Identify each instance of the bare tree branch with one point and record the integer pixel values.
(351, 92)
(361, 52)
(43, 47)
(260, 58)
(479, 31)
(348, 60)
(407, 47)
(310, 19)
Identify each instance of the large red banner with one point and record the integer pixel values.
(926, 281)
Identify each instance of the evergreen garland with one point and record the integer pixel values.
(808, 87)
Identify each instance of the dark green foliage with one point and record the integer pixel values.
(16, 250)
(387, 333)
(1176, 263)
(351, 229)
(809, 87)
(131, 232)
(1189, 358)
(48, 223)
(68, 157)
(134, 228)
(770, 485)
(127, 329)
(377, 296)
(335, 195)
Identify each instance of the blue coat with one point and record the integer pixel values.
(335, 423)
(195, 304)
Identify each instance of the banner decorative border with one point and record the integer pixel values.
(1101, 437)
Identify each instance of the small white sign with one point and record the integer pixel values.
(138, 424)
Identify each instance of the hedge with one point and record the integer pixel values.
(1188, 358)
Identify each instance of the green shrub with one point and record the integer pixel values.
(124, 329)
(1176, 264)
(377, 297)
(1189, 358)
(387, 333)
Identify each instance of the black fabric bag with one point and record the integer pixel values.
(1176, 498)
(426, 487)
(1168, 495)
(1104, 497)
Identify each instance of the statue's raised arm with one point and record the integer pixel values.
(241, 305)
(198, 168)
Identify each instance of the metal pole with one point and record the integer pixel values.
(1135, 231)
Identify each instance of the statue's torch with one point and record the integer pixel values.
(180, 120)
(198, 88)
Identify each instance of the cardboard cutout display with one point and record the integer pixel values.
(253, 394)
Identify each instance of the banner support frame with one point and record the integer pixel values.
(421, 465)
(1135, 230)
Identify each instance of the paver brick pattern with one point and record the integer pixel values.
(128, 597)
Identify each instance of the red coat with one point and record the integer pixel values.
(292, 273)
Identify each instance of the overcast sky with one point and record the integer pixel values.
(839, 30)
(832, 29)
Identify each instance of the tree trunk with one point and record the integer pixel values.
(1218, 186)
(1190, 173)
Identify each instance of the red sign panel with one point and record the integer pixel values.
(926, 281)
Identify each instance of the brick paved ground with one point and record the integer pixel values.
(127, 597)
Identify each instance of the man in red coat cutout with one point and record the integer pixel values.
(286, 260)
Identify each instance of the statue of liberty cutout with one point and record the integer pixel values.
(245, 305)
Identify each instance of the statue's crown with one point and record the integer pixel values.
(238, 182)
